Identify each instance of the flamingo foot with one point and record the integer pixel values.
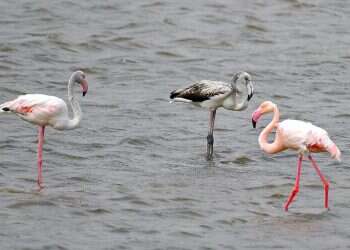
(291, 197)
(210, 146)
(40, 187)
(40, 156)
(210, 137)
(40, 184)
(326, 187)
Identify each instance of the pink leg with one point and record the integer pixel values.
(40, 155)
(295, 189)
(323, 179)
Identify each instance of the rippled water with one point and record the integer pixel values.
(134, 176)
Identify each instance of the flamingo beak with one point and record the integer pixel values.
(250, 96)
(251, 91)
(85, 86)
(255, 117)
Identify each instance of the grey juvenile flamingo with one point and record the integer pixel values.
(215, 94)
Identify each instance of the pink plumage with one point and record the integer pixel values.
(44, 110)
(301, 136)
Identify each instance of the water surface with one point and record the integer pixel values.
(134, 176)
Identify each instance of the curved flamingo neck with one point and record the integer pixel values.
(275, 146)
(74, 104)
(239, 95)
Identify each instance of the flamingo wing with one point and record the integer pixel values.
(202, 91)
(295, 134)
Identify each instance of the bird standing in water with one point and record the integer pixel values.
(297, 135)
(213, 95)
(44, 110)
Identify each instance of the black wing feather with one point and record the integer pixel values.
(196, 93)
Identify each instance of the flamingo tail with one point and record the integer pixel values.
(335, 152)
(332, 148)
(9, 106)
(4, 107)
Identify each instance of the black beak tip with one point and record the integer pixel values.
(254, 123)
(250, 97)
(84, 93)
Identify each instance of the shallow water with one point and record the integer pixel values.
(134, 176)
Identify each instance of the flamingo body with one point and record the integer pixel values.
(306, 137)
(38, 109)
(301, 136)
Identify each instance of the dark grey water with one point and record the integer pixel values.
(134, 176)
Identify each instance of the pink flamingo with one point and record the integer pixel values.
(297, 135)
(44, 110)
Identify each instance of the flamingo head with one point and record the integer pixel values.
(80, 78)
(264, 108)
(242, 80)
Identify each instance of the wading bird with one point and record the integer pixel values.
(213, 95)
(297, 135)
(44, 110)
